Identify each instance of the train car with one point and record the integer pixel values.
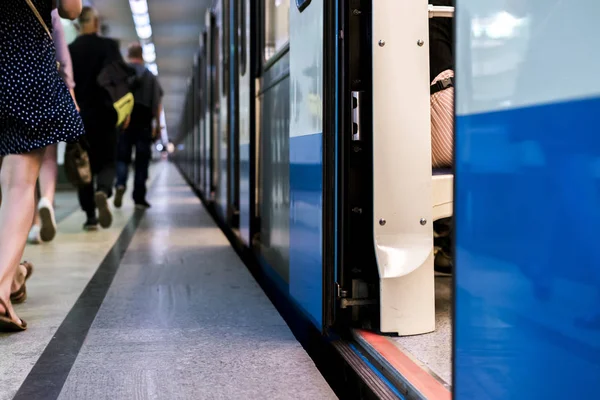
(307, 132)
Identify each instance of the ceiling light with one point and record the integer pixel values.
(152, 67)
(143, 28)
(141, 19)
(138, 6)
(149, 52)
(144, 31)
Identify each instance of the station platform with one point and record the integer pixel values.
(159, 306)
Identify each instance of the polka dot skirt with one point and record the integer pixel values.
(36, 108)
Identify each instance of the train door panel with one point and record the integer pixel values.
(306, 159)
(200, 117)
(194, 121)
(198, 120)
(221, 113)
(233, 153)
(527, 322)
(245, 97)
(206, 112)
(273, 116)
(350, 273)
(402, 220)
(213, 112)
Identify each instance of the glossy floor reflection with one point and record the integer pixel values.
(63, 267)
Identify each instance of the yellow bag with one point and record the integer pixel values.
(124, 108)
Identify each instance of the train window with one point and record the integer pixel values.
(302, 4)
(225, 47)
(277, 26)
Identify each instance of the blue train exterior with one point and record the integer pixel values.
(257, 165)
(261, 146)
(527, 200)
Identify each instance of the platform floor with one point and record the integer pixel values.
(433, 351)
(157, 307)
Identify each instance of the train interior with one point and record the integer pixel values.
(414, 307)
(308, 135)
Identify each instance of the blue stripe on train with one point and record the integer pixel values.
(528, 272)
(306, 199)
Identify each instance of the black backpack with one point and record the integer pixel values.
(116, 78)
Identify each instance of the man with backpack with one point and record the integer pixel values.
(90, 54)
(147, 93)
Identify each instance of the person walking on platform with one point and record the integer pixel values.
(90, 54)
(147, 93)
(36, 110)
(44, 227)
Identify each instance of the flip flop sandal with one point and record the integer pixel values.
(7, 324)
(29, 267)
(20, 295)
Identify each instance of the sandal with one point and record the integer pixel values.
(20, 295)
(7, 324)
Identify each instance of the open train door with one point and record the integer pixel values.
(384, 183)
(331, 256)
(311, 155)
(212, 106)
(402, 220)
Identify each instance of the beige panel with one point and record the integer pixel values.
(402, 166)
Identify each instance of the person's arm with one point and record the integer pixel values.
(72, 91)
(158, 128)
(158, 95)
(69, 9)
(63, 56)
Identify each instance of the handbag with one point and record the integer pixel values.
(39, 17)
(77, 165)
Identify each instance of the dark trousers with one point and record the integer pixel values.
(141, 139)
(101, 144)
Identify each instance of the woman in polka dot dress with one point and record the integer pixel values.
(36, 110)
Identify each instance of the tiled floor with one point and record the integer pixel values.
(182, 319)
(63, 267)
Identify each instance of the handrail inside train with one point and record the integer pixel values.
(441, 11)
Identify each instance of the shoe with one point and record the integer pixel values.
(7, 324)
(442, 242)
(91, 224)
(20, 295)
(104, 214)
(119, 196)
(48, 221)
(142, 205)
(443, 262)
(34, 235)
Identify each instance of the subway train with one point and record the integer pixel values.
(307, 132)
(291, 137)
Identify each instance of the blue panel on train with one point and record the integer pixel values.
(245, 192)
(306, 230)
(528, 270)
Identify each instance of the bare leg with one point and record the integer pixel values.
(49, 173)
(44, 224)
(36, 199)
(17, 179)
